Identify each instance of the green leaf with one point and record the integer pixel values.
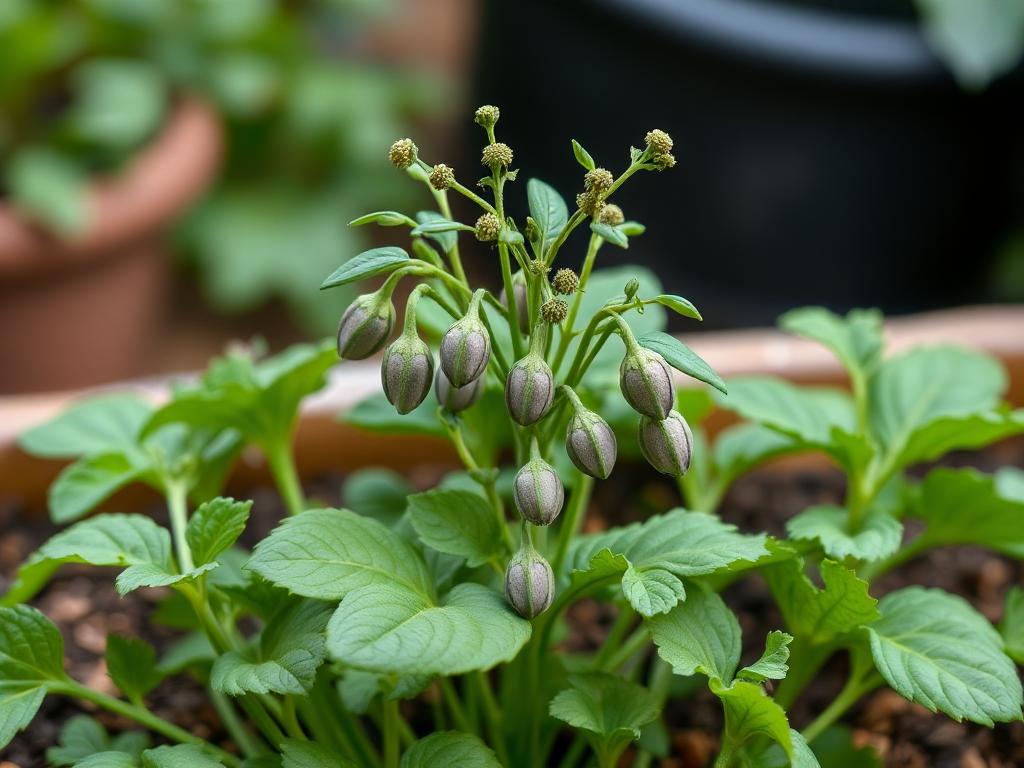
(922, 400)
(87, 483)
(835, 747)
(215, 526)
(682, 358)
(774, 756)
(740, 448)
(612, 234)
(178, 756)
(610, 709)
(384, 219)
(963, 506)
(772, 664)
(80, 737)
(1012, 625)
(700, 635)
(367, 264)
(306, 754)
(118, 103)
(131, 664)
(548, 210)
(110, 759)
(457, 522)
(435, 225)
(50, 187)
(449, 748)
(1010, 483)
(108, 424)
(935, 649)
(582, 156)
(31, 661)
(820, 615)
(750, 712)
(285, 660)
(651, 554)
(855, 339)
(446, 238)
(378, 493)
(391, 628)
(376, 414)
(879, 535)
(677, 304)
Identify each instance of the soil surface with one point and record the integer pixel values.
(86, 608)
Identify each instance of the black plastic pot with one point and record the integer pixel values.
(825, 156)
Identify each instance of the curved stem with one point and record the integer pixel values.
(573, 518)
(286, 476)
(453, 256)
(511, 316)
(570, 322)
(177, 510)
(250, 745)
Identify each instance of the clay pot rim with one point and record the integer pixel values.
(156, 184)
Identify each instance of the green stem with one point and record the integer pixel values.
(614, 637)
(726, 754)
(493, 717)
(453, 256)
(511, 317)
(177, 508)
(286, 477)
(290, 721)
(635, 643)
(572, 520)
(246, 741)
(391, 732)
(572, 755)
(144, 718)
(454, 703)
(863, 679)
(570, 322)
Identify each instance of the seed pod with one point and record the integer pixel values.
(406, 372)
(529, 389)
(529, 583)
(456, 399)
(538, 492)
(667, 444)
(591, 444)
(466, 347)
(519, 293)
(646, 382)
(365, 326)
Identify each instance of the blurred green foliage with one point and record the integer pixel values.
(84, 83)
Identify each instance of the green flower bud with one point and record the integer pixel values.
(538, 492)
(590, 203)
(554, 311)
(667, 444)
(520, 297)
(611, 214)
(487, 228)
(441, 177)
(664, 160)
(659, 141)
(529, 388)
(591, 444)
(531, 231)
(646, 382)
(599, 180)
(455, 399)
(631, 289)
(407, 372)
(487, 116)
(497, 155)
(402, 153)
(565, 282)
(365, 326)
(529, 583)
(466, 346)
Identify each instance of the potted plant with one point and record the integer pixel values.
(429, 629)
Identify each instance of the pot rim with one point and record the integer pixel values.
(161, 180)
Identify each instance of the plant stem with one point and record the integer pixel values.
(282, 467)
(493, 716)
(451, 697)
(863, 679)
(511, 316)
(246, 741)
(453, 256)
(290, 721)
(614, 637)
(177, 509)
(573, 518)
(726, 754)
(144, 718)
(570, 322)
(390, 728)
(633, 644)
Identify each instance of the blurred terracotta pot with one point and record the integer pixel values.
(83, 311)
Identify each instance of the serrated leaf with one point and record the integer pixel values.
(80, 737)
(383, 218)
(609, 233)
(652, 591)
(750, 712)
(1012, 625)
(682, 358)
(699, 635)
(963, 506)
(878, 537)
(391, 628)
(88, 482)
(306, 754)
(286, 658)
(855, 339)
(215, 526)
(548, 210)
(449, 748)
(457, 522)
(677, 304)
(772, 664)
(108, 424)
(582, 156)
(131, 664)
(820, 615)
(31, 660)
(935, 649)
(367, 264)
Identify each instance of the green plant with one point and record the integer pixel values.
(84, 84)
(398, 596)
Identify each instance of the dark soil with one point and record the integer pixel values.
(86, 608)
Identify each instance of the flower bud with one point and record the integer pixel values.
(406, 372)
(646, 382)
(529, 583)
(466, 347)
(519, 295)
(612, 215)
(455, 399)
(529, 389)
(441, 177)
(591, 444)
(365, 326)
(497, 155)
(599, 180)
(487, 116)
(664, 160)
(590, 203)
(631, 289)
(659, 141)
(554, 311)
(538, 492)
(667, 444)
(402, 153)
(565, 282)
(487, 228)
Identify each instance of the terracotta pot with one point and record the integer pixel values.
(84, 310)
